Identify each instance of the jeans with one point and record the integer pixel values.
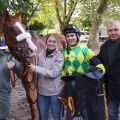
(47, 103)
(113, 110)
(113, 104)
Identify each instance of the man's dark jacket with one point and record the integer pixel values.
(112, 75)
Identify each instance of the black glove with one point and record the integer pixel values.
(67, 77)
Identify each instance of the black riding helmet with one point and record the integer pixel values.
(71, 28)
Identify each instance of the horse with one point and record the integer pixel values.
(24, 47)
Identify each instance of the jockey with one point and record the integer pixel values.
(83, 73)
(50, 64)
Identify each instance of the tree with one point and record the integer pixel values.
(93, 41)
(36, 26)
(46, 15)
(85, 13)
(113, 11)
(64, 11)
(26, 7)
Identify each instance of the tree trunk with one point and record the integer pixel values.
(93, 42)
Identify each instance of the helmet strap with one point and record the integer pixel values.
(78, 36)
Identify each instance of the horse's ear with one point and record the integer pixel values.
(5, 13)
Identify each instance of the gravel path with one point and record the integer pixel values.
(19, 107)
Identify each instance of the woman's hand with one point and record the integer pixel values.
(10, 64)
(32, 67)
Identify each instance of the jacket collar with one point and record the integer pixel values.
(52, 54)
(117, 40)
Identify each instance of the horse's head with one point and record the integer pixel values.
(18, 40)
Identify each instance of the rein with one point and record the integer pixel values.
(21, 52)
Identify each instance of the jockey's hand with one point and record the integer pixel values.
(10, 64)
(32, 67)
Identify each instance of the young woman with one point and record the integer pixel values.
(49, 68)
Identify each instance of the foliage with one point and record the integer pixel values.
(46, 15)
(113, 11)
(36, 26)
(27, 8)
(64, 11)
(90, 7)
(81, 12)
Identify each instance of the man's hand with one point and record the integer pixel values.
(10, 64)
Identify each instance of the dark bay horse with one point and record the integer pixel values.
(24, 47)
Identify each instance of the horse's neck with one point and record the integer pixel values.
(39, 42)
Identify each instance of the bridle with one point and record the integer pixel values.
(19, 47)
(20, 50)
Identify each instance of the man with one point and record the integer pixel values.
(5, 86)
(110, 56)
(82, 71)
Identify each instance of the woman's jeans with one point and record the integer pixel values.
(47, 103)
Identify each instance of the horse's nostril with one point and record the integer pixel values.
(30, 50)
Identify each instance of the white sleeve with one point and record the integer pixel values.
(55, 70)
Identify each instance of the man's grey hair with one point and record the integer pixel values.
(113, 21)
